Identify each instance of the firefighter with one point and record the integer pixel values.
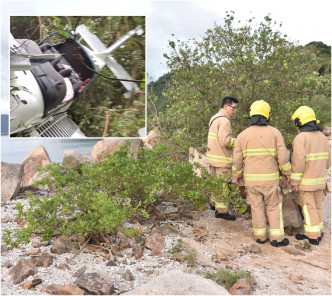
(220, 150)
(258, 156)
(311, 159)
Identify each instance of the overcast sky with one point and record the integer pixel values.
(303, 21)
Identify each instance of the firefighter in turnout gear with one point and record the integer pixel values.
(311, 159)
(220, 151)
(259, 156)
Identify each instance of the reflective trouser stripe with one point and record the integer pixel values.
(321, 226)
(307, 225)
(279, 231)
(259, 231)
(306, 215)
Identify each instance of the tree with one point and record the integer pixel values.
(247, 62)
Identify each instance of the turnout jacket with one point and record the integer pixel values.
(311, 159)
(259, 154)
(220, 141)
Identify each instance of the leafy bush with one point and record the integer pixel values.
(227, 278)
(98, 198)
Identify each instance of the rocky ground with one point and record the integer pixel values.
(213, 243)
(173, 256)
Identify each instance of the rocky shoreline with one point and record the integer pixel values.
(174, 257)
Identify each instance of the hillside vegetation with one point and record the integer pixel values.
(241, 60)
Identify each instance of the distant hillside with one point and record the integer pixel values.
(4, 124)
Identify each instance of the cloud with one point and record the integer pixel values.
(303, 21)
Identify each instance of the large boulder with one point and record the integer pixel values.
(327, 131)
(290, 210)
(152, 139)
(11, 179)
(37, 158)
(195, 156)
(96, 284)
(23, 269)
(68, 289)
(177, 282)
(74, 159)
(108, 146)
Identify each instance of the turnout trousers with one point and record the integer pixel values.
(269, 199)
(311, 204)
(217, 200)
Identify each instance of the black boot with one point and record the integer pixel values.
(212, 207)
(225, 216)
(260, 241)
(311, 240)
(283, 243)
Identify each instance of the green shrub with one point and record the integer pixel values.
(97, 199)
(227, 278)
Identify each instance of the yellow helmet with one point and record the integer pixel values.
(303, 115)
(260, 108)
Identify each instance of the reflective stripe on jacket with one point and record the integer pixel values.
(259, 154)
(220, 141)
(311, 158)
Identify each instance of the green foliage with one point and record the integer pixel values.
(227, 278)
(240, 60)
(323, 53)
(101, 110)
(190, 253)
(132, 232)
(97, 199)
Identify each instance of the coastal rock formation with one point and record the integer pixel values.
(37, 158)
(11, 178)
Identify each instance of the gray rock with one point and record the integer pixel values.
(128, 276)
(195, 156)
(155, 242)
(44, 260)
(111, 263)
(74, 158)
(290, 210)
(241, 287)
(95, 284)
(80, 272)
(138, 251)
(177, 282)
(11, 179)
(69, 289)
(61, 246)
(29, 284)
(108, 146)
(4, 249)
(22, 270)
(254, 249)
(37, 158)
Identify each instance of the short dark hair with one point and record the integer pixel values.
(228, 100)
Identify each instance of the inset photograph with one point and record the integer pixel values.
(77, 76)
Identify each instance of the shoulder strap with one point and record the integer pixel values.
(215, 119)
